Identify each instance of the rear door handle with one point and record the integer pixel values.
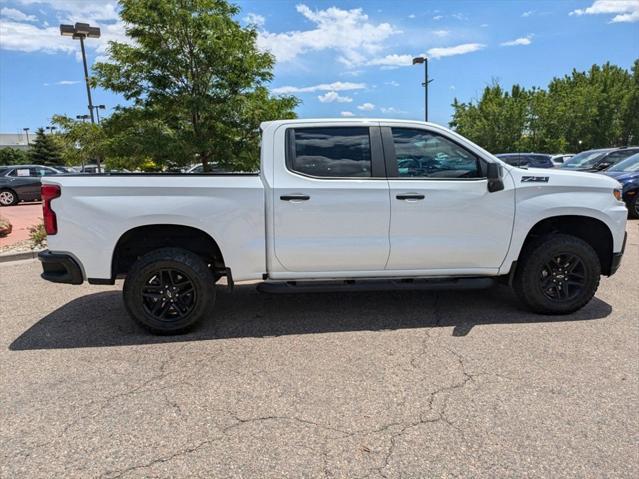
(410, 196)
(295, 197)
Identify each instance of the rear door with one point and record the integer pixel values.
(443, 219)
(330, 200)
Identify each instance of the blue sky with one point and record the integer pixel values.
(341, 58)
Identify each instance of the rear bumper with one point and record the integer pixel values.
(616, 257)
(60, 268)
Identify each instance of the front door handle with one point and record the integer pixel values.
(410, 196)
(295, 197)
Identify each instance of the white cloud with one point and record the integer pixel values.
(452, 87)
(349, 32)
(527, 40)
(255, 19)
(25, 37)
(456, 50)
(335, 86)
(366, 107)
(63, 82)
(333, 96)
(347, 113)
(70, 11)
(483, 25)
(441, 33)
(412, 15)
(393, 60)
(17, 15)
(391, 83)
(527, 13)
(392, 110)
(625, 11)
(438, 17)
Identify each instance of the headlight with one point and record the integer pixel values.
(617, 193)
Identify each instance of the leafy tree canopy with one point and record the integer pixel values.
(583, 110)
(196, 82)
(80, 142)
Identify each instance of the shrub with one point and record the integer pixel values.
(38, 236)
(5, 227)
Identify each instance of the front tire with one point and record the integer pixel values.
(169, 290)
(8, 197)
(558, 274)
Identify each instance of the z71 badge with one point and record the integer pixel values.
(534, 179)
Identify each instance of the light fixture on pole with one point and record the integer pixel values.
(82, 117)
(424, 60)
(26, 130)
(97, 113)
(51, 128)
(80, 31)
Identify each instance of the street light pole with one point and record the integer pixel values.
(424, 60)
(97, 113)
(86, 77)
(26, 130)
(80, 31)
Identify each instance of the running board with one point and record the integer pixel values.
(287, 287)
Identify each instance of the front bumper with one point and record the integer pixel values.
(616, 257)
(60, 268)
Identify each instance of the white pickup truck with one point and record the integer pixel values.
(351, 203)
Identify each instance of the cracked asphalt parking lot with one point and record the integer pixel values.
(390, 384)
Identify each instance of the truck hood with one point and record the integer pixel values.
(558, 177)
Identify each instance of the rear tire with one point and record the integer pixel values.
(557, 274)
(8, 197)
(169, 290)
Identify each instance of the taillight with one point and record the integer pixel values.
(49, 192)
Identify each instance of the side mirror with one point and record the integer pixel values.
(603, 166)
(493, 174)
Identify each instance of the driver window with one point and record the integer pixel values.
(422, 154)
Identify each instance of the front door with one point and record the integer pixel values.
(442, 215)
(331, 204)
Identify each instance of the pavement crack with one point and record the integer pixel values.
(184, 452)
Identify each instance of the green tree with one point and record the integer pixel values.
(44, 150)
(196, 83)
(13, 156)
(80, 142)
(591, 109)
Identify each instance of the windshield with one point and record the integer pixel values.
(585, 159)
(628, 165)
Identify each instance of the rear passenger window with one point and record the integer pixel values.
(331, 152)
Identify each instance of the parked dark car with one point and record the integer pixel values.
(598, 160)
(531, 160)
(22, 182)
(626, 172)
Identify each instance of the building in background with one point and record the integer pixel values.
(14, 140)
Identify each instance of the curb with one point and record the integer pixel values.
(5, 258)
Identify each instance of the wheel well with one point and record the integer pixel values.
(141, 240)
(591, 230)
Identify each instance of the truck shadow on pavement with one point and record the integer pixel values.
(100, 320)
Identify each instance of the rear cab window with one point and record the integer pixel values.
(330, 152)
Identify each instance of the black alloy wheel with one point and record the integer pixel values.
(169, 294)
(563, 278)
